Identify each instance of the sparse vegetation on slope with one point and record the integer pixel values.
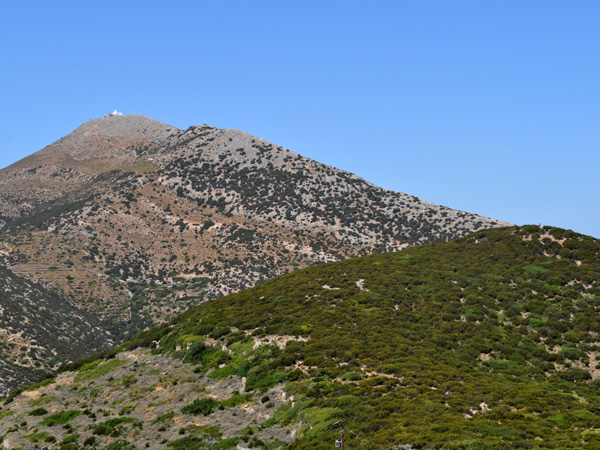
(489, 342)
(134, 221)
(39, 330)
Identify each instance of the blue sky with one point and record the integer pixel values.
(487, 107)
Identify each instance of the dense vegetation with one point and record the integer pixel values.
(475, 343)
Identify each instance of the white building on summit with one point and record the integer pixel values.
(114, 113)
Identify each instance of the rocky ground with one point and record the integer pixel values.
(137, 399)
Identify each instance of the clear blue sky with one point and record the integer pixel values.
(487, 107)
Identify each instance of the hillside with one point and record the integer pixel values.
(490, 341)
(39, 331)
(133, 221)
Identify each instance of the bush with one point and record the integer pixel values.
(103, 429)
(574, 374)
(203, 406)
(38, 412)
(60, 418)
(120, 445)
(194, 353)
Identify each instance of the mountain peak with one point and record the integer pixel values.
(112, 138)
(112, 142)
(129, 127)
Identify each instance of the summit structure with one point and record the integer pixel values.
(115, 113)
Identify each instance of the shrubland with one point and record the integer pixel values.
(487, 342)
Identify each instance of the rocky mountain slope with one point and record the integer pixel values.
(132, 220)
(490, 341)
(40, 331)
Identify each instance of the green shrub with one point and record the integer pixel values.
(38, 412)
(194, 354)
(226, 444)
(60, 418)
(100, 370)
(188, 443)
(119, 445)
(71, 438)
(203, 406)
(119, 420)
(103, 429)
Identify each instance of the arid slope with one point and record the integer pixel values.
(133, 220)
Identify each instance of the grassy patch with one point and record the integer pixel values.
(100, 370)
(43, 436)
(236, 399)
(36, 386)
(60, 418)
(534, 270)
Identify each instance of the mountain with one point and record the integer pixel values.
(132, 221)
(71, 163)
(39, 331)
(489, 341)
